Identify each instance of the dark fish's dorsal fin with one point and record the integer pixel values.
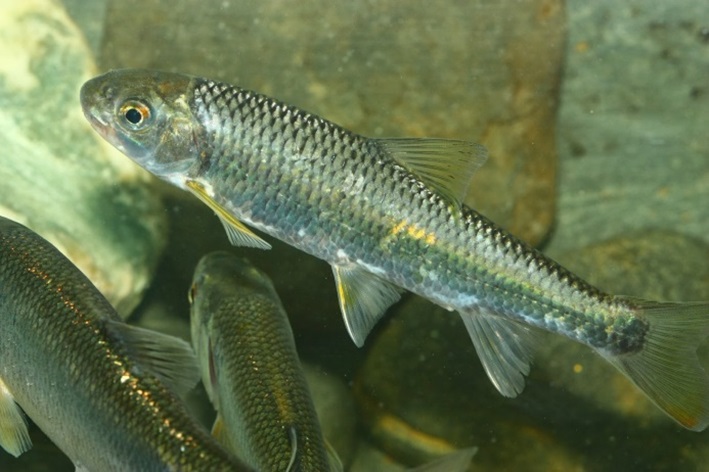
(445, 165)
(237, 232)
(363, 297)
(169, 358)
(14, 437)
(504, 347)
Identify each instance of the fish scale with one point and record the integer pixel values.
(250, 367)
(75, 369)
(387, 215)
(251, 120)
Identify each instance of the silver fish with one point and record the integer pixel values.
(101, 390)
(387, 215)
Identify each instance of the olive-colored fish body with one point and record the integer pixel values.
(100, 389)
(387, 215)
(250, 368)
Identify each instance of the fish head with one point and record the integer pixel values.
(146, 115)
(221, 281)
(223, 269)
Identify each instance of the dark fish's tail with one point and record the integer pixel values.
(667, 368)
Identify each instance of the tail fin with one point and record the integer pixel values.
(667, 369)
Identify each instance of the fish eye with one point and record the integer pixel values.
(135, 114)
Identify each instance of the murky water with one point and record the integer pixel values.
(595, 117)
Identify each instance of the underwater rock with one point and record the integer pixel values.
(633, 121)
(483, 71)
(422, 393)
(653, 264)
(421, 389)
(59, 178)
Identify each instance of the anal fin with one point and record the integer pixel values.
(504, 347)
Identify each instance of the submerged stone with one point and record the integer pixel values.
(59, 178)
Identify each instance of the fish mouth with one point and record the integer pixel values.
(96, 103)
(89, 98)
(103, 128)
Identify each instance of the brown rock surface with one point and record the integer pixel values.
(484, 71)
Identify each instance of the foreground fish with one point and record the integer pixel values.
(387, 214)
(250, 368)
(94, 385)
(252, 375)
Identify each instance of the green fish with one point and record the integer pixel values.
(104, 392)
(387, 215)
(250, 368)
(251, 371)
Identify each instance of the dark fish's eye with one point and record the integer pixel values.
(135, 113)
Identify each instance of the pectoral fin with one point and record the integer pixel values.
(363, 297)
(170, 359)
(445, 165)
(14, 437)
(504, 347)
(237, 232)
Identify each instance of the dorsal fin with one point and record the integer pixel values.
(169, 358)
(445, 165)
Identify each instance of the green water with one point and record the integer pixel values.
(596, 117)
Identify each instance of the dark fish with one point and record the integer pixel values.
(252, 375)
(250, 368)
(100, 389)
